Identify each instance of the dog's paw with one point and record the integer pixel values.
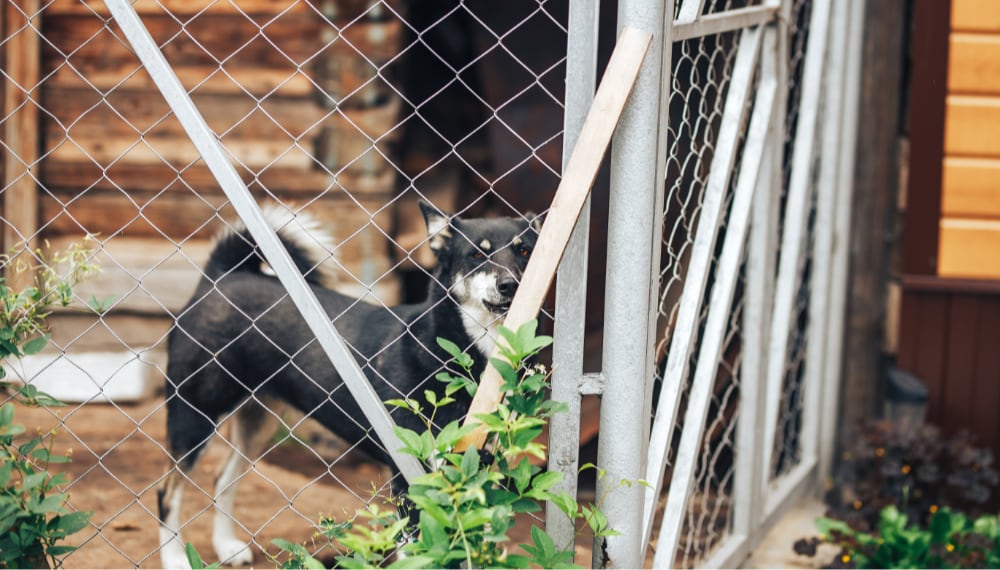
(174, 559)
(233, 552)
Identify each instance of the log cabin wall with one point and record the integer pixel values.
(297, 102)
(949, 330)
(970, 196)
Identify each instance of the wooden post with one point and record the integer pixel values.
(572, 192)
(20, 130)
(876, 181)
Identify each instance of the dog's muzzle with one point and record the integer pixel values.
(506, 287)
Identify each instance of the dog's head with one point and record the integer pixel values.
(481, 260)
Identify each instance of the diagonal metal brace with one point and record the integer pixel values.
(274, 252)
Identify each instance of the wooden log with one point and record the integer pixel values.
(147, 274)
(20, 130)
(974, 64)
(339, 61)
(180, 216)
(578, 177)
(126, 76)
(975, 16)
(129, 113)
(970, 188)
(968, 249)
(972, 127)
(181, 8)
(302, 184)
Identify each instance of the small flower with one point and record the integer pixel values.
(933, 509)
(880, 452)
(857, 505)
(846, 558)
(950, 547)
(905, 470)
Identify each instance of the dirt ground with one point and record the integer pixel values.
(119, 461)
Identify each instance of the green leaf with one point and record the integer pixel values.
(412, 442)
(35, 345)
(193, 558)
(34, 480)
(74, 522)
(470, 462)
(545, 481)
(5, 473)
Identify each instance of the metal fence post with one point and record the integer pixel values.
(571, 283)
(627, 357)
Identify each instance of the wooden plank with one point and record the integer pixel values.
(973, 126)
(975, 15)
(925, 125)
(971, 188)
(83, 123)
(969, 249)
(127, 76)
(179, 216)
(148, 273)
(577, 179)
(960, 375)
(20, 128)
(180, 8)
(128, 113)
(984, 420)
(291, 41)
(929, 364)
(974, 64)
(207, 40)
(303, 185)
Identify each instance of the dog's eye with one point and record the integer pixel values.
(523, 251)
(478, 255)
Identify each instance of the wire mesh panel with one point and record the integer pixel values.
(340, 112)
(344, 115)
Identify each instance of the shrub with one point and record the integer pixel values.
(916, 471)
(33, 513)
(949, 540)
(464, 508)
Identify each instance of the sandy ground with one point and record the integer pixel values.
(119, 461)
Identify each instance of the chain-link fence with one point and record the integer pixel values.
(350, 112)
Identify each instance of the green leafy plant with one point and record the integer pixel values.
(464, 509)
(949, 540)
(33, 513)
(917, 471)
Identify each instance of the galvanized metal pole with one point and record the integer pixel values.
(841, 243)
(277, 256)
(628, 353)
(571, 284)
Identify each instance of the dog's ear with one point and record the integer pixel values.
(438, 229)
(535, 221)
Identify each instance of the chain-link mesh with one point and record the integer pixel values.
(787, 444)
(349, 111)
(702, 72)
(346, 110)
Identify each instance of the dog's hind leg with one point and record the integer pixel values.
(252, 428)
(188, 430)
(168, 497)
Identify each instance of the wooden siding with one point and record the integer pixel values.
(970, 202)
(299, 105)
(952, 343)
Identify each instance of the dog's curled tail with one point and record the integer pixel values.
(307, 240)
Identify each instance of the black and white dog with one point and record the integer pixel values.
(241, 351)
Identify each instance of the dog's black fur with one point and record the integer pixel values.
(240, 344)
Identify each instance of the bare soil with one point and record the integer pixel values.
(119, 460)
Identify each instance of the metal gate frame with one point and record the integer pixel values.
(638, 174)
(638, 452)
